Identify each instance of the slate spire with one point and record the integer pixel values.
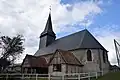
(48, 35)
(48, 28)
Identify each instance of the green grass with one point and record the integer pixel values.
(110, 76)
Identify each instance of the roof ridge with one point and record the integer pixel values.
(62, 55)
(96, 40)
(83, 36)
(71, 34)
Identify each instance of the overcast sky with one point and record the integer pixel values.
(28, 17)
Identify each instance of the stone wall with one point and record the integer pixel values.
(74, 69)
(63, 70)
(97, 63)
(66, 69)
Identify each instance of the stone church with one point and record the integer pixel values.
(75, 53)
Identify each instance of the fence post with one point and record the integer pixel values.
(36, 76)
(102, 73)
(88, 75)
(22, 76)
(63, 77)
(78, 76)
(96, 75)
(6, 76)
(49, 76)
(29, 75)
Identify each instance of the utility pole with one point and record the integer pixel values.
(117, 49)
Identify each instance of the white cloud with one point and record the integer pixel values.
(81, 14)
(106, 35)
(28, 17)
(108, 43)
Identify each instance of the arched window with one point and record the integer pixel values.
(89, 55)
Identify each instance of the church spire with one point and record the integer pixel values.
(48, 28)
(48, 35)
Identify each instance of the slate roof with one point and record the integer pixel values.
(79, 40)
(48, 28)
(68, 57)
(34, 61)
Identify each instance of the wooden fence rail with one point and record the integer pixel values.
(76, 76)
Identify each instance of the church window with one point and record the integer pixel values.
(57, 67)
(89, 55)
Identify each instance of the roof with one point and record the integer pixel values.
(79, 40)
(48, 28)
(34, 61)
(68, 57)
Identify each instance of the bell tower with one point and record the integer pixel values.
(47, 36)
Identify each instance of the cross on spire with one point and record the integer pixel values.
(50, 9)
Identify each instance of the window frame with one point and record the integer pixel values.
(57, 67)
(89, 55)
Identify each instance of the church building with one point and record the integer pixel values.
(75, 53)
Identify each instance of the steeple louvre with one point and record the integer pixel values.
(48, 35)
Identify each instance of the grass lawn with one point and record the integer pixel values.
(110, 76)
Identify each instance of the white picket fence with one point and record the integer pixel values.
(72, 76)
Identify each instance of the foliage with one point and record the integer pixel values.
(11, 48)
